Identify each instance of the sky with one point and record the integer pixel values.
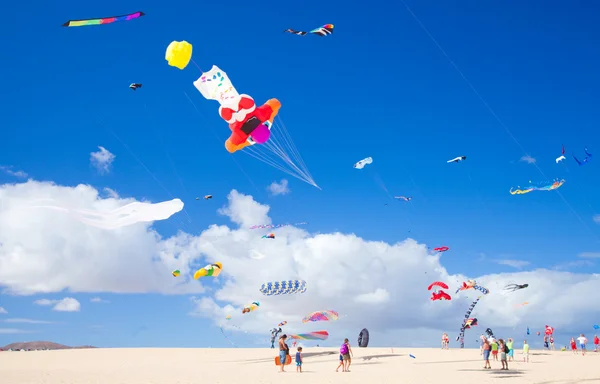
(503, 83)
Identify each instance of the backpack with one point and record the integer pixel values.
(344, 349)
(506, 350)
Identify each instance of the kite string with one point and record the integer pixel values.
(492, 112)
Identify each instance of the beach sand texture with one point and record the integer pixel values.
(238, 365)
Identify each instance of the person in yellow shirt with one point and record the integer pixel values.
(525, 352)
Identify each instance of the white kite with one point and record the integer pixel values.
(457, 159)
(361, 164)
(121, 217)
(215, 85)
(562, 157)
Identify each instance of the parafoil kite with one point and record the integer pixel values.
(457, 159)
(361, 164)
(251, 307)
(441, 249)
(363, 338)
(179, 54)
(461, 336)
(403, 198)
(272, 226)
(104, 20)
(562, 156)
(251, 124)
(317, 335)
(441, 295)
(210, 270)
(285, 287)
(472, 284)
(135, 86)
(321, 316)
(437, 284)
(269, 236)
(176, 273)
(555, 185)
(129, 214)
(515, 287)
(587, 158)
(325, 30)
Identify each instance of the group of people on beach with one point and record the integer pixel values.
(582, 340)
(284, 351)
(500, 349)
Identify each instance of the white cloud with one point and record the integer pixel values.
(98, 300)
(589, 255)
(12, 331)
(340, 269)
(27, 321)
(10, 171)
(518, 264)
(3, 311)
(528, 159)
(597, 218)
(102, 160)
(68, 304)
(111, 193)
(280, 188)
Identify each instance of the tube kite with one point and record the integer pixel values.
(441, 249)
(321, 316)
(271, 226)
(104, 20)
(317, 335)
(325, 30)
(457, 159)
(285, 287)
(555, 185)
(363, 338)
(361, 164)
(179, 54)
(210, 270)
(465, 324)
(472, 284)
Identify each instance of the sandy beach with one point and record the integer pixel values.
(370, 365)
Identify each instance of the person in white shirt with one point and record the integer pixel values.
(582, 341)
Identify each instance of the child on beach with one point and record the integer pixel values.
(341, 364)
(582, 342)
(511, 352)
(299, 360)
(494, 349)
(573, 346)
(596, 342)
(525, 352)
(503, 352)
(552, 343)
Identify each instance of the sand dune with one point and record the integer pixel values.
(224, 366)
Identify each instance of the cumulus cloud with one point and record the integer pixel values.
(102, 160)
(528, 159)
(13, 331)
(343, 272)
(27, 321)
(280, 188)
(111, 193)
(597, 218)
(590, 255)
(9, 170)
(98, 300)
(518, 264)
(3, 311)
(68, 304)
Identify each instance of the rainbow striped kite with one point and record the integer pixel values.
(318, 335)
(104, 20)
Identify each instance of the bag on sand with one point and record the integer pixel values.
(344, 349)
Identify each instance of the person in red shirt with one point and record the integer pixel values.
(573, 345)
(596, 342)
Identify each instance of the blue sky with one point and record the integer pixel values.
(378, 87)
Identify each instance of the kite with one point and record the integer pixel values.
(251, 124)
(562, 156)
(269, 236)
(457, 159)
(490, 333)
(228, 317)
(179, 54)
(176, 273)
(321, 316)
(437, 284)
(363, 338)
(210, 270)
(596, 326)
(361, 164)
(129, 214)
(461, 336)
(104, 20)
(555, 185)
(441, 295)
(251, 307)
(471, 284)
(325, 30)
(585, 160)
(441, 249)
(135, 86)
(271, 226)
(528, 330)
(515, 287)
(207, 197)
(549, 330)
(274, 333)
(403, 198)
(318, 335)
(282, 324)
(470, 323)
(285, 287)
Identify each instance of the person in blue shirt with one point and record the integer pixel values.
(299, 360)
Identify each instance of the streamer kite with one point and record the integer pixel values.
(317, 335)
(403, 198)
(272, 226)
(104, 20)
(325, 30)
(285, 287)
(555, 185)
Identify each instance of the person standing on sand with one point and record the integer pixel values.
(494, 350)
(574, 346)
(299, 360)
(551, 343)
(582, 342)
(486, 353)
(525, 352)
(511, 352)
(284, 350)
(346, 351)
(596, 342)
(503, 352)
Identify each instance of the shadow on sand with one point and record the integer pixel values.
(447, 362)
(500, 374)
(367, 358)
(305, 355)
